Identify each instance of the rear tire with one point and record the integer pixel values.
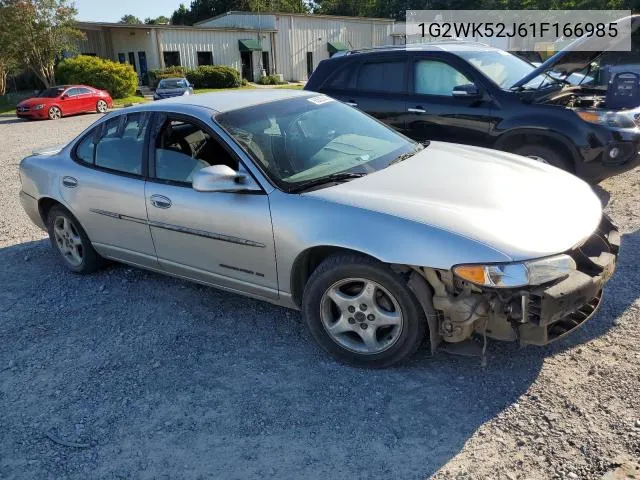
(71, 241)
(101, 106)
(545, 155)
(362, 312)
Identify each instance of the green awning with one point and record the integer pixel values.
(249, 45)
(334, 47)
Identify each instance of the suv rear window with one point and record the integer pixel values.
(382, 77)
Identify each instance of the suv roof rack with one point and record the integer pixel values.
(415, 46)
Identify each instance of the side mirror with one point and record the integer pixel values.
(466, 91)
(64, 97)
(221, 178)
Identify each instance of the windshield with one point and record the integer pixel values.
(172, 83)
(305, 139)
(51, 92)
(504, 68)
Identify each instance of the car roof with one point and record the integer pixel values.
(173, 78)
(231, 100)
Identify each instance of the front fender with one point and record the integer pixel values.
(301, 223)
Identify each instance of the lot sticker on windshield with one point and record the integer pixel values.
(320, 99)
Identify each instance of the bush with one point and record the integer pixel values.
(270, 80)
(119, 79)
(214, 76)
(245, 82)
(171, 72)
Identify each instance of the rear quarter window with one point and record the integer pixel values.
(343, 78)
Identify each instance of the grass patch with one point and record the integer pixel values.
(291, 87)
(209, 90)
(5, 107)
(120, 102)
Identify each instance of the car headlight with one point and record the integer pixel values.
(39, 106)
(609, 119)
(519, 274)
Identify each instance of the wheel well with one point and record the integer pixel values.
(44, 207)
(521, 139)
(305, 265)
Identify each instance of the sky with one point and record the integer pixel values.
(113, 10)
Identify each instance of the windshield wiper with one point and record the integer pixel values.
(333, 178)
(404, 156)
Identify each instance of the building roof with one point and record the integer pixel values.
(140, 26)
(229, 100)
(306, 15)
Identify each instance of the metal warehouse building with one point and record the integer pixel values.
(280, 43)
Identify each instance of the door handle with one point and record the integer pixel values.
(160, 201)
(69, 182)
(416, 110)
(351, 103)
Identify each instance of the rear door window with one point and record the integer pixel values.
(388, 76)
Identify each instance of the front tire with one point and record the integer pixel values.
(70, 240)
(362, 312)
(55, 113)
(545, 155)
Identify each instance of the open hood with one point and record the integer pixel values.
(579, 54)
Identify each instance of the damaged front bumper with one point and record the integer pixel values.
(534, 315)
(552, 312)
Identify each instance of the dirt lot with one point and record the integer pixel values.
(144, 376)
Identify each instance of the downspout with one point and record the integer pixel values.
(158, 46)
(274, 54)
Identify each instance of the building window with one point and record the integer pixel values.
(132, 61)
(122, 58)
(171, 59)
(205, 58)
(265, 62)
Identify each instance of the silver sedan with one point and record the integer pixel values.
(299, 200)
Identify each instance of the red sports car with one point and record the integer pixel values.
(64, 100)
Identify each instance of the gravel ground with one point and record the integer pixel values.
(129, 374)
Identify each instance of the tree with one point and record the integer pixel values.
(161, 20)
(8, 53)
(40, 32)
(205, 9)
(130, 20)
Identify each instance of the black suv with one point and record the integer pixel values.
(474, 94)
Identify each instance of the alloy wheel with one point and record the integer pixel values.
(68, 241)
(361, 315)
(102, 106)
(54, 113)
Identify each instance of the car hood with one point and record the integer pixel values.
(579, 54)
(34, 101)
(524, 209)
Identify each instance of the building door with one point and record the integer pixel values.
(142, 60)
(265, 62)
(132, 61)
(309, 64)
(247, 65)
